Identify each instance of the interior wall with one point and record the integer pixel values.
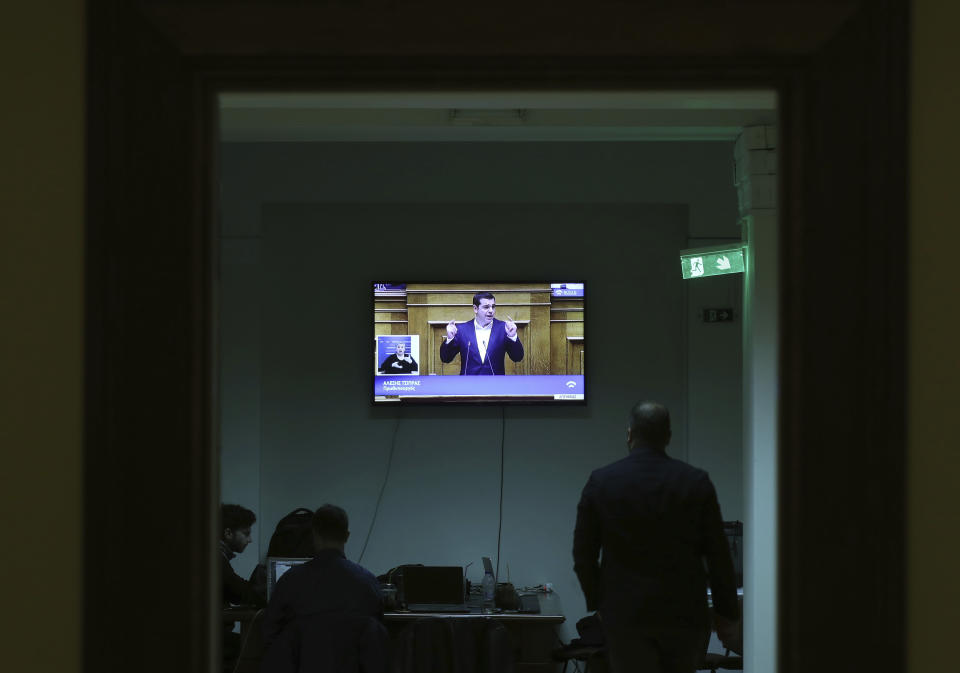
(41, 343)
(760, 420)
(284, 340)
(933, 585)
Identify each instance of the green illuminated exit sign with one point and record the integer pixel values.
(715, 261)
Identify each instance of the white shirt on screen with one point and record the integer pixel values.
(483, 337)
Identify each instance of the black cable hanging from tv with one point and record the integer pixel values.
(383, 486)
(503, 423)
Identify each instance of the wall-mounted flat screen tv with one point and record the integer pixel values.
(488, 342)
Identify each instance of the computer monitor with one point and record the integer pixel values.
(276, 566)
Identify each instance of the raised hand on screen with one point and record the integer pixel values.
(510, 327)
(451, 330)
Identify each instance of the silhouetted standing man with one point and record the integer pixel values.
(656, 520)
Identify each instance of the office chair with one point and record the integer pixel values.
(589, 648)
(713, 661)
(593, 656)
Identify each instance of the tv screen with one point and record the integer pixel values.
(478, 342)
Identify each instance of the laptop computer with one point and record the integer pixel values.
(434, 589)
(276, 566)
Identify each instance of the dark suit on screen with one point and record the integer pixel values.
(465, 343)
(658, 523)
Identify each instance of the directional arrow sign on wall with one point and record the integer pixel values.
(715, 261)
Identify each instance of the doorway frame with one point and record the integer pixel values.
(150, 456)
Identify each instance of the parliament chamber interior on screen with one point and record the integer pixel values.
(550, 328)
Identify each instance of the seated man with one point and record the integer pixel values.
(329, 593)
(236, 522)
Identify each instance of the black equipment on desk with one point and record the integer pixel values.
(434, 589)
(505, 597)
(529, 604)
(394, 578)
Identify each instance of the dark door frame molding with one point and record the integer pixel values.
(154, 71)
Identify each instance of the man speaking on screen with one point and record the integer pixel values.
(483, 341)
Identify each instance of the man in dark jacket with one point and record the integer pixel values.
(326, 614)
(235, 524)
(658, 523)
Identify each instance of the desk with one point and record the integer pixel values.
(519, 617)
(533, 637)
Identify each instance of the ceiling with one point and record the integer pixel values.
(493, 116)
